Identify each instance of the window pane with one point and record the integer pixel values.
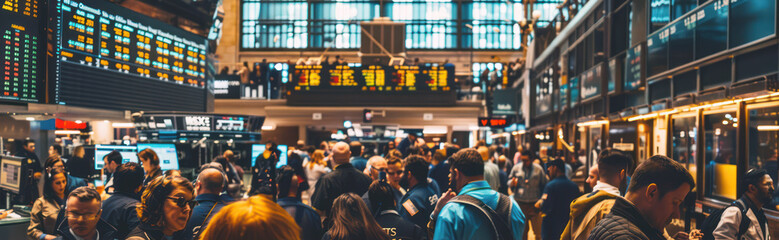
(430, 24)
(720, 149)
(685, 137)
(764, 142)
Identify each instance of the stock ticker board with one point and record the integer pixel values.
(371, 85)
(21, 51)
(146, 64)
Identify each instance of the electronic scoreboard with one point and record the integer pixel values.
(21, 51)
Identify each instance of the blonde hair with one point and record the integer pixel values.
(318, 158)
(484, 152)
(256, 217)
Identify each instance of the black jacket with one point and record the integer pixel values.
(624, 222)
(398, 228)
(146, 232)
(119, 211)
(344, 179)
(105, 231)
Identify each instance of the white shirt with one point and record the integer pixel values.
(601, 186)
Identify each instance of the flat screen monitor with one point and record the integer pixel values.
(166, 152)
(257, 149)
(22, 51)
(129, 154)
(11, 173)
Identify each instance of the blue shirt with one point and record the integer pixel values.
(457, 221)
(308, 220)
(359, 163)
(440, 173)
(202, 213)
(418, 203)
(560, 192)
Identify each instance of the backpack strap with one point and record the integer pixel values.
(499, 220)
(745, 222)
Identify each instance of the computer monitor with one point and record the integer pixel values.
(129, 154)
(11, 173)
(257, 149)
(169, 158)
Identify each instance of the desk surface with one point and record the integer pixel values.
(9, 221)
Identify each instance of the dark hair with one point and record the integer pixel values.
(27, 142)
(611, 162)
(381, 196)
(352, 220)
(468, 161)
(57, 148)
(391, 160)
(284, 180)
(417, 166)
(356, 148)
(753, 177)
(440, 155)
(668, 174)
(527, 153)
(85, 194)
(150, 155)
(48, 190)
(151, 210)
(50, 161)
(128, 177)
(114, 156)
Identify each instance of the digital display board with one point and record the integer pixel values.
(574, 86)
(21, 51)
(107, 56)
(657, 52)
(680, 45)
(318, 85)
(750, 20)
(591, 82)
(563, 95)
(711, 28)
(633, 69)
(166, 152)
(258, 149)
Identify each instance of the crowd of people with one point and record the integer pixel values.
(409, 192)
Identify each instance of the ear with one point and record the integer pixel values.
(652, 191)
(623, 174)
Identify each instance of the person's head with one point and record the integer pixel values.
(657, 188)
(413, 138)
(128, 178)
(556, 168)
(317, 158)
(352, 220)
(55, 150)
(394, 153)
(256, 216)
(54, 183)
(758, 185)
(301, 145)
(150, 160)
(465, 166)
(414, 171)
(356, 148)
(83, 211)
(376, 165)
(29, 145)
(592, 177)
(526, 158)
(269, 146)
(394, 170)
(288, 182)
(614, 168)
(484, 152)
(381, 196)
(246, 64)
(210, 181)
(440, 155)
(79, 151)
(52, 162)
(502, 161)
(166, 203)
(391, 145)
(229, 155)
(172, 172)
(341, 153)
(112, 160)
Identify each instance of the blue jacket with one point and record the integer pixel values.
(418, 203)
(75, 182)
(457, 221)
(398, 228)
(105, 231)
(359, 163)
(119, 211)
(200, 213)
(560, 192)
(308, 220)
(440, 173)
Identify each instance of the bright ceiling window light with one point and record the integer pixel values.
(434, 130)
(268, 127)
(122, 125)
(66, 132)
(592, 123)
(768, 128)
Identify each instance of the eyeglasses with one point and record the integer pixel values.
(88, 216)
(394, 173)
(183, 202)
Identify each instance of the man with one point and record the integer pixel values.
(410, 140)
(376, 165)
(289, 199)
(759, 189)
(543, 158)
(657, 188)
(343, 179)
(233, 173)
(394, 174)
(112, 160)
(55, 150)
(417, 204)
(119, 209)
(457, 220)
(527, 181)
(210, 183)
(556, 200)
(439, 167)
(504, 175)
(592, 178)
(588, 210)
(388, 217)
(491, 171)
(31, 163)
(357, 160)
(82, 210)
(300, 149)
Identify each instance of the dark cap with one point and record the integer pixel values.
(559, 163)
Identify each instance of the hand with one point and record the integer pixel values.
(50, 237)
(538, 203)
(443, 200)
(681, 236)
(36, 175)
(4, 214)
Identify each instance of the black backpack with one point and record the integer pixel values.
(711, 222)
(500, 218)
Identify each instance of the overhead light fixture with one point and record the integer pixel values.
(78, 121)
(30, 119)
(768, 128)
(591, 123)
(122, 125)
(65, 132)
(268, 127)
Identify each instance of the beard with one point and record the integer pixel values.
(766, 197)
(404, 181)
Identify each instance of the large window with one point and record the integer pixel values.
(492, 24)
(335, 24)
(685, 137)
(274, 24)
(764, 141)
(720, 154)
(429, 24)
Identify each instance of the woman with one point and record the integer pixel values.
(55, 162)
(256, 217)
(352, 220)
(164, 210)
(78, 166)
(151, 165)
(315, 169)
(264, 171)
(43, 215)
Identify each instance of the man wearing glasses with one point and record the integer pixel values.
(82, 210)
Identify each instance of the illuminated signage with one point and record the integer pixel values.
(494, 122)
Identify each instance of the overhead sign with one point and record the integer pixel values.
(504, 102)
(494, 122)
